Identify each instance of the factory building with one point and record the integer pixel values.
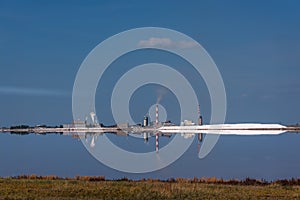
(187, 123)
(75, 124)
(123, 125)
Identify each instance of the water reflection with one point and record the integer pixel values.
(91, 138)
(235, 156)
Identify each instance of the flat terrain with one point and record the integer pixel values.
(148, 189)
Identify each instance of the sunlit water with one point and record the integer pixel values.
(261, 157)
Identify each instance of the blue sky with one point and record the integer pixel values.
(255, 44)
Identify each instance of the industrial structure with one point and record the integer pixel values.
(187, 128)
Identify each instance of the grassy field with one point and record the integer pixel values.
(98, 188)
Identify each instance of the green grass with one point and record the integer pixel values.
(105, 189)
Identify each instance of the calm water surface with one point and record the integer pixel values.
(261, 157)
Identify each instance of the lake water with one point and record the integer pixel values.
(238, 157)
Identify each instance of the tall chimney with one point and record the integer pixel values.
(156, 115)
(200, 120)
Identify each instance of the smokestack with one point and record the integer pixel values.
(145, 122)
(200, 120)
(156, 115)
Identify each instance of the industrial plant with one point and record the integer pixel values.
(187, 128)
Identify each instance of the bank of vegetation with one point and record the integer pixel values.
(87, 187)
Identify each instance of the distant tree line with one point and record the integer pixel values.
(30, 127)
(20, 127)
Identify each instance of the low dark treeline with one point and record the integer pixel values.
(20, 127)
(32, 132)
(211, 180)
(31, 127)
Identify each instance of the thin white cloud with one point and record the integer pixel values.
(186, 44)
(11, 90)
(166, 43)
(156, 42)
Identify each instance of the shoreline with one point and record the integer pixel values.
(207, 180)
(141, 129)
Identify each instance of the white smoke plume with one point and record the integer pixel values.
(160, 93)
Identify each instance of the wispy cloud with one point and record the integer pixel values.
(166, 43)
(12, 90)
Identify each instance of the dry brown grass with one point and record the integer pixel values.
(86, 187)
